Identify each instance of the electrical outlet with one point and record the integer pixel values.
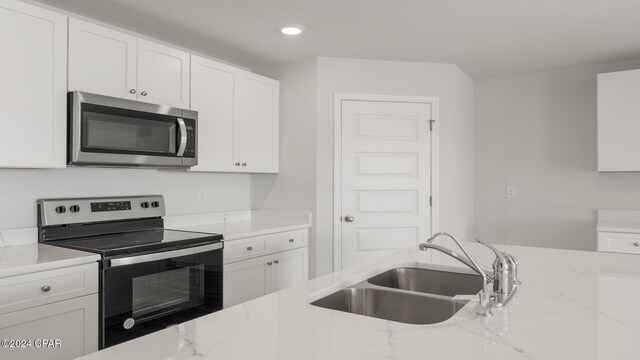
(202, 196)
(512, 192)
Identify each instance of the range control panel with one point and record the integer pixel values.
(110, 206)
(88, 210)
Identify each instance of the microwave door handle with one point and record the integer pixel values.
(183, 137)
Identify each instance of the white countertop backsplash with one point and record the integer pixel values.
(20, 252)
(241, 224)
(571, 305)
(232, 224)
(626, 221)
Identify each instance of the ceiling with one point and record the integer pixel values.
(484, 37)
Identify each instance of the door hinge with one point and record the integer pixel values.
(430, 201)
(431, 124)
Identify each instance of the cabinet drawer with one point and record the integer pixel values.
(286, 241)
(619, 242)
(24, 291)
(244, 249)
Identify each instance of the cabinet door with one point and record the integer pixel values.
(213, 97)
(257, 123)
(163, 75)
(101, 60)
(33, 86)
(245, 280)
(618, 125)
(74, 322)
(289, 268)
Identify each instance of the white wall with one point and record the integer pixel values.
(455, 92)
(293, 188)
(20, 188)
(537, 132)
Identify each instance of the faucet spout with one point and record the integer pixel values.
(484, 307)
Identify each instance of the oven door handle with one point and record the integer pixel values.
(163, 255)
(183, 137)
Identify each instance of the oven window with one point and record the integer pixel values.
(113, 132)
(167, 291)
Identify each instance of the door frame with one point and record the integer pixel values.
(338, 98)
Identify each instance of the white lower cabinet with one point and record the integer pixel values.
(245, 280)
(253, 277)
(289, 268)
(625, 243)
(50, 314)
(60, 330)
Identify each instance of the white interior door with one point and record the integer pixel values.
(386, 173)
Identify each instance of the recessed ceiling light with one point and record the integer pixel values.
(291, 30)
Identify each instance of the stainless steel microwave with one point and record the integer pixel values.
(107, 131)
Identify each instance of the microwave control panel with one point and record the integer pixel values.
(190, 150)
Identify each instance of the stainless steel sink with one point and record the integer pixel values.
(429, 281)
(392, 305)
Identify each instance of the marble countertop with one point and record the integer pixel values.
(242, 224)
(571, 305)
(30, 258)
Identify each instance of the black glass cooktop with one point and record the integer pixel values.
(138, 241)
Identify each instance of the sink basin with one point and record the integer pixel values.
(392, 305)
(429, 281)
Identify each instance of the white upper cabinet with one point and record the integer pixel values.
(619, 121)
(33, 86)
(257, 123)
(237, 118)
(102, 60)
(163, 74)
(213, 97)
(108, 62)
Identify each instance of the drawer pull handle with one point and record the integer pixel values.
(249, 248)
(291, 240)
(46, 288)
(269, 263)
(636, 243)
(276, 261)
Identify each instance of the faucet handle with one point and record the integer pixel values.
(499, 254)
(513, 264)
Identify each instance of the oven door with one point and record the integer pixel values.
(118, 132)
(146, 293)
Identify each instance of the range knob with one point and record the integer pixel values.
(145, 204)
(155, 204)
(61, 209)
(74, 208)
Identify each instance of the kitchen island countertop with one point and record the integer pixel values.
(571, 305)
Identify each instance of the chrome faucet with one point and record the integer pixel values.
(504, 273)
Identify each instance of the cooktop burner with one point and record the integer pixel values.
(139, 241)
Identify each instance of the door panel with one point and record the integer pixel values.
(163, 75)
(213, 97)
(245, 280)
(101, 60)
(289, 268)
(74, 322)
(257, 124)
(33, 86)
(386, 170)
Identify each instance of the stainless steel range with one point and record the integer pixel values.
(150, 277)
